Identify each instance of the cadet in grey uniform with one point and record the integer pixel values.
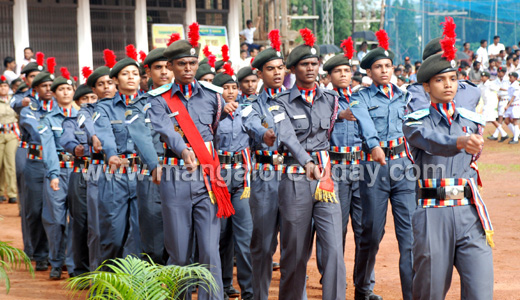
(451, 226)
(385, 161)
(304, 117)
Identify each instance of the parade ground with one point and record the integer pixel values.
(499, 167)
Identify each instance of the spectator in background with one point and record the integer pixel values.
(363, 50)
(494, 49)
(461, 75)
(516, 65)
(249, 32)
(10, 69)
(398, 72)
(28, 56)
(509, 50)
(413, 77)
(502, 57)
(407, 62)
(474, 73)
(254, 52)
(356, 83)
(492, 70)
(482, 55)
(244, 47)
(261, 48)
(469, 53)
(244, 60)
(509, 65)
(402, 83)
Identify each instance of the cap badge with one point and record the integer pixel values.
(69, 82)
(192, 51)
(313, 51)
(40, 68)
(280, 54)
(453, 63)
(52, 76)
(212, 69)
(386, 53)
(234, 78)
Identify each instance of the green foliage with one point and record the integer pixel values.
(11, 257)
(134, 279)
(342, 20)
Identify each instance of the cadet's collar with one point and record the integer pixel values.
(344, 93)
(308, 95)
(446, 110)
(47, 105)
(67, 112)
(34, 94)
(387, 90)
(5, 99)
(374, 89)
(271, 93)
(187, 90)
(127, 99)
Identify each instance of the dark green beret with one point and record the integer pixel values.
(514, 74)
(375, 55)
(433, 65)
(502, 69)
(204, 61)
(404, 79)
(266, 56)
(154, 55)
(336, 60)
(41, 78)
(357, 78)
(244, 72)
(22, 86)
(484, 74)
(3, 79)
(120, 65)
(300, 53)
(81, 91)
(98, 73)
(204, 69)
(219, 64)
(59, 81)
(223, 78)
(180, 49)
(433, 47)
(31, 67)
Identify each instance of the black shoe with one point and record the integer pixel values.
(232, 292)
(226, 297)
(492, 138)
(503, 138)
(55, 273)
(13, 200)
(373, 296)
(276, 266)
(358, 295)
(2, 199)
(42, 265)
(513, 142)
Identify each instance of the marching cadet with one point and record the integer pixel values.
(247, 83)
(304, 117)
(74, 140)
(58, 167)
(42, 103)
(380, 111)
(186, 116)
(346, 150)
(117, 200)
(9, 141)
(206, 70)
(232, 144)
(259, 123)
(451, 226)
(29, 72)
(148, 141)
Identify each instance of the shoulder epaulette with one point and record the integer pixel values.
(211, 87)
(419, 114)
(468, 83)
(286, 92)
(252, 98)
(33, 106)
(137, 99)
(160, 90)
(333, 93)
(471, 115)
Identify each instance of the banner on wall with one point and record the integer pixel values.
(215, 37)
(161, 33)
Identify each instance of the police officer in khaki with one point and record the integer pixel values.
(9, 134)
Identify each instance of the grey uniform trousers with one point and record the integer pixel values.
(93, 186)
(21, 158)
(78, 211)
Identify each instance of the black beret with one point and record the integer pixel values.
(154, 55)
(120, 65)
(180, 49)
(41, 78)
(433, 47)
(336, 60)
(219, 64)
(81, 91)
(59, 81)
(22, 86)
(204, 69)
(31, 67)
(357, 78)
(514, 74)
(203, 61)
(98, 73)
(244, 72)
(300, 53)
(484, 74)
(433, 65)
(266, 56)
(223, 78)
(375, 55)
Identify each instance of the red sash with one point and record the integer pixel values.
(208, 161)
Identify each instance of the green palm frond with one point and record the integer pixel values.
(134, 279)
(11, 257)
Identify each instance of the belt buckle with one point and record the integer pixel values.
(348, 156)
(277, 159)
(65, 157)
(454, 192)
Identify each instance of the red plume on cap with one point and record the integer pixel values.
(382, 37)
(75, 78)
(206, 51)
(251, 62)
(131, 52)
(448, 42)
(2, 78)
(194, 35)
(65, 72)
(110, 58)
(211, 60)
(39, 58)
(228, 69)
(51, 64)
(308, 37)
(274, 36)
(142, 56)
(86, 71)
(173, 38)
(225, 53)
(348, 48)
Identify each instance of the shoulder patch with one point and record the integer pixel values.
(211, 87)
(128, 113)
(81, 119)
(147, 106)
(252, 98)
(417, 115)
(471, 115)
(354, 103)
(95, 116)
(247, 110)
(274, 107)
(160, 90)
(42, 129)
(33, 106)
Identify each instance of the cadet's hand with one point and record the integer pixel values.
(269, 137)
(96, 143)
(312, 171)
(471, 143)
(114, 162)
(156, 175)
(55, 184)
(190, 161)
(378, 155)
(79, 150)
(347, 115)
(26, 101)
(230, 107)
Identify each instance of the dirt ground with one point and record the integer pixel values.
(500, 170)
